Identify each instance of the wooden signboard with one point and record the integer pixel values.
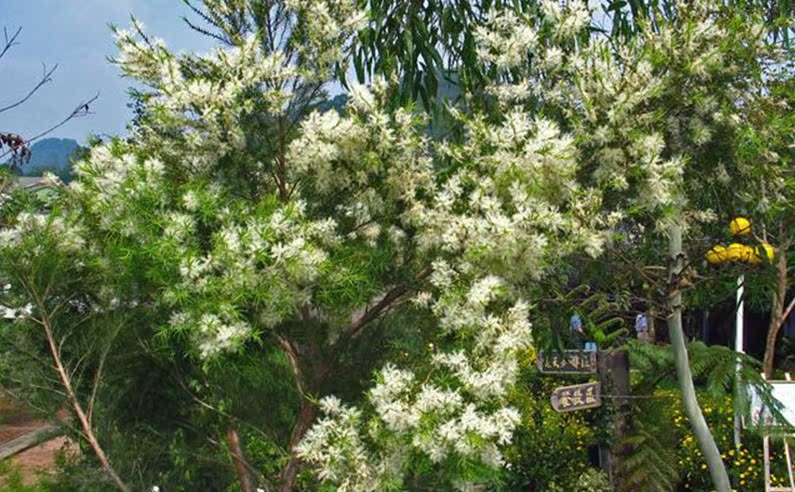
(568, 362)
(576, 397)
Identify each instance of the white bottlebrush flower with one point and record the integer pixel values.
(506, 40)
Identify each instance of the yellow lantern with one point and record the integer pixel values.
(736, 252)
(765, 251)
(717, 255)
(740, 226)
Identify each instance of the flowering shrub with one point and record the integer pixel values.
(745, 464)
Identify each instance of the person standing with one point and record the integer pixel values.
(577, 333)
(642, 328)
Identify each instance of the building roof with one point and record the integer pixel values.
(29, 181)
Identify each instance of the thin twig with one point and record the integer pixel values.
(82, 109)
(9, 42)
(45, 78)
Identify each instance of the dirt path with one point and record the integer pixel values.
(38, 460)
(20, 437)
(25, 441)
(9, 432)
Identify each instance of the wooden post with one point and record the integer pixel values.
(613, 371)
(603, 373)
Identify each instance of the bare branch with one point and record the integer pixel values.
(292, 356)
(95, 387)
(46, 76)
(9, 42)
(372, 313)
(80, 110)
(787, 313)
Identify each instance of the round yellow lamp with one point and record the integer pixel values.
(740, 226)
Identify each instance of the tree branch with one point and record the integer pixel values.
(292, 356)
(787, 312)
(95, 386)
(66, 382)
(9, 42)
(82, 109)
(46, 77)
(372, 313)
(241, 464)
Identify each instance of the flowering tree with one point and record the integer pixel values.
(646, 113)
(649, 115)
(242, 219)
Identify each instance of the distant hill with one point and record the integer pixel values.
(50, 154)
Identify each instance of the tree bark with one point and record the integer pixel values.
(706, 443)
(78, 408)
(289, 475)
(777, 314)
(240, 460)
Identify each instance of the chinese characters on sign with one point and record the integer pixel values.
(568, 362)
(577, 397)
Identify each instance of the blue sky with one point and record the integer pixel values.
(75, 35)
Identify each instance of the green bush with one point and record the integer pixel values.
(548, 446)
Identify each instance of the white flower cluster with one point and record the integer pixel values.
(334, 444)
(608, 94)
(271, 262)
(206, 106)
(569, 19)
(513, 200)
(505, 40)
(325, 26)
(113, 181)
(34, 228)
(327, 143)
(216, 334)
(458, 410)
(373, 162)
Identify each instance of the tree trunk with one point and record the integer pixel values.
(776, 312)
(706, 443)
(240, 460)
(289, 475)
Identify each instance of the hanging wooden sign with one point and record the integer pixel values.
(568, 362)
(576, 397)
